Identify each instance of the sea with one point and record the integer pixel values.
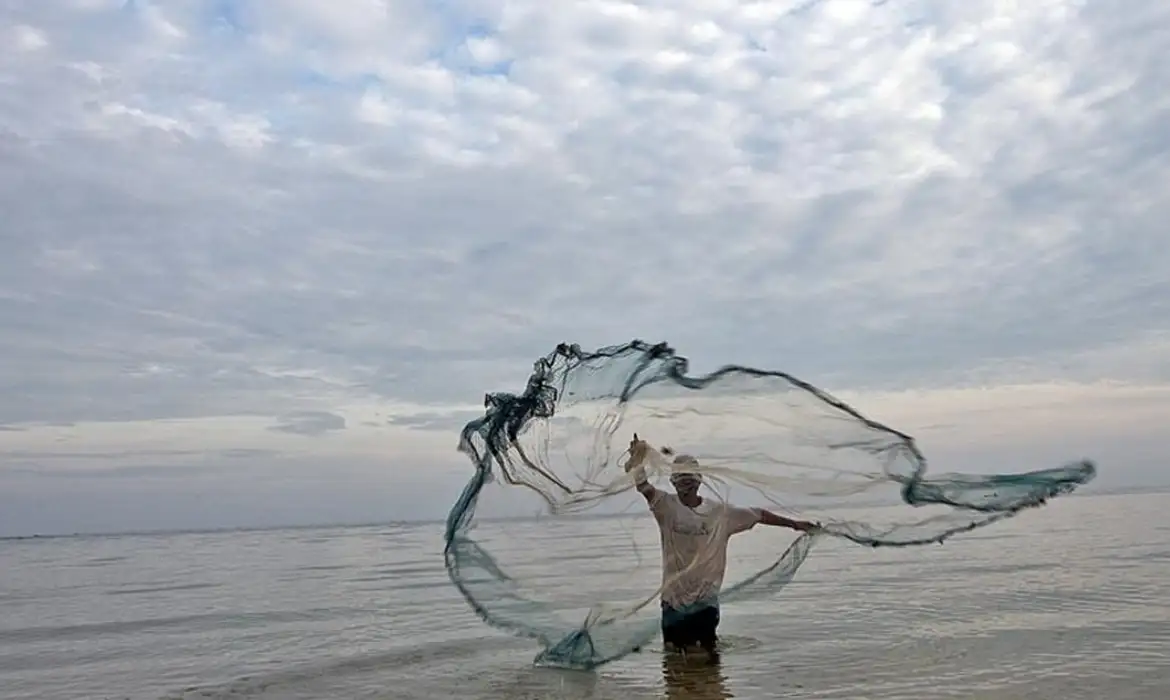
(1063, 602)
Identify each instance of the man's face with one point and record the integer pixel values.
(685, 484)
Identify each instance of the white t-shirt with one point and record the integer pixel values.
(694, 545)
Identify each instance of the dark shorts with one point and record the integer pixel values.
(694, 625)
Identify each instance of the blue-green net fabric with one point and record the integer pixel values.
(762, 438)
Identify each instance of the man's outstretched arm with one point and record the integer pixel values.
(767, 517)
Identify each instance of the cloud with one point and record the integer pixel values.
(310, 423)
(451, 422)
(254, 210)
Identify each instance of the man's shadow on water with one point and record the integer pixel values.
(694, 675)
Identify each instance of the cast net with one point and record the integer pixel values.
(551, 539)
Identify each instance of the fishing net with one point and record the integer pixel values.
(551, 539)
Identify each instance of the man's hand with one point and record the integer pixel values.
(638, 450)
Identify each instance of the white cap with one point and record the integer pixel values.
(685, 465)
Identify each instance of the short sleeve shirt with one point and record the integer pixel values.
(694, 545)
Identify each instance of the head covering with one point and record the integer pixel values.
(685, 467)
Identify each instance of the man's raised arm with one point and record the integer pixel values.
(638, 451)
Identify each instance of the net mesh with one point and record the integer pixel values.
(581, 574)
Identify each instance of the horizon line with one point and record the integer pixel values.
(1136, 489)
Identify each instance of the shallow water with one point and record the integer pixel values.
(1070, 601)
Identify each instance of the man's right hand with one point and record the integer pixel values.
(638, 450)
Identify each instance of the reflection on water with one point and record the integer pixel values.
(694, 676)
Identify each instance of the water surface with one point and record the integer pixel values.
(1070, 601)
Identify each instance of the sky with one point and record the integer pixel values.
(261, 258)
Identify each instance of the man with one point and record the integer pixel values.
(694, 533)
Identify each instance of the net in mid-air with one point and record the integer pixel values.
(582, 580)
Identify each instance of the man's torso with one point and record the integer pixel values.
(694, 549)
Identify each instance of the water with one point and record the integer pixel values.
(1071, 601)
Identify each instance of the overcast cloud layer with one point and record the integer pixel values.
(259, 259)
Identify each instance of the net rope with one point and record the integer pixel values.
(764, 435)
